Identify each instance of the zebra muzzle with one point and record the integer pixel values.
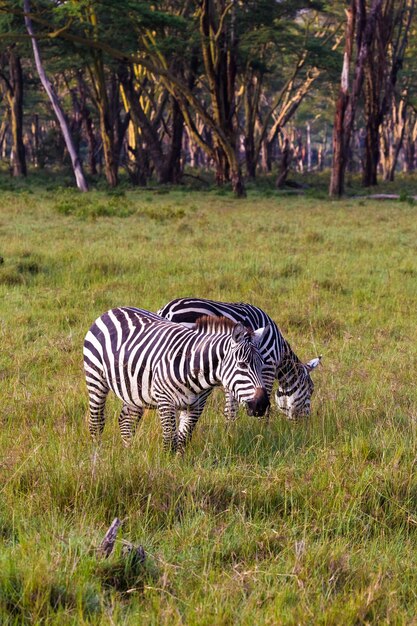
(259, 403)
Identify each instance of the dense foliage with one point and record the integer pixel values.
(229, 87)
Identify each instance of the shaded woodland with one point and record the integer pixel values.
(162, 90)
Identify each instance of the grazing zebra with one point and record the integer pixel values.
(295, 387)
(150, 362)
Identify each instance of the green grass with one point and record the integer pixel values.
(280, 523)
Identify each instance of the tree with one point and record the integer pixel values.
(384, 103)
(283, 51)
(76, 164)
(11, 78)
(362, 26)
(12, 87)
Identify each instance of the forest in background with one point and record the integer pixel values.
(161, 90)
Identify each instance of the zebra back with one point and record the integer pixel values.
(274, 347)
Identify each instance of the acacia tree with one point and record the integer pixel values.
(123, 90)
(228, 38)
(76, 163)
(11, 78)
(384, 103)
(360, 26)
(159, 122)
(208, 98)
(219, 49)
(12, 88)
(283, 53)
(398, 88)
(155, 111)
(95, 19)
(213, 102)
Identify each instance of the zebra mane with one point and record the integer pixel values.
(214, 324)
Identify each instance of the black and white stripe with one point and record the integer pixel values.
(151, 362)
(295, 386)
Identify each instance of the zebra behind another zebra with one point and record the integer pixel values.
(295, 387)
(148, 361)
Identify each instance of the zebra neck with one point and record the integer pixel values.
(288, 372)
(205, 362)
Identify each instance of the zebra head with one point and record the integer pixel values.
(293, 396)
(241, 369)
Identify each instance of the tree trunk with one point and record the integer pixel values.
(87, 124)
(323, 150)
(285, 164)
(12, 83)
(267, 154)
(237, 183)
(308, 130)
(250, 156)
(3, 131)
(409, 156)
(91, 142)
(106, 100)
(35, 140)
(347, 100)
(251, 98)
(192, 150)
(176, 159)
(219, 44)
(107, 139)
(395, 130)
(16, 114)
(249, 137)
(76, 165)
(172, 171)
(340, 149)
(220, 165)
(164, 166)
(410, 137)
(370, 170)
(372, 94)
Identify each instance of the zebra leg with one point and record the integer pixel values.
(231, 407)
(97, 393)
(187, 422)
(129, 419)
(167, 414)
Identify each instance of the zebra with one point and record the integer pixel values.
(148, 361)
(295, 387)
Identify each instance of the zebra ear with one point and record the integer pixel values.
(238, 333)
(259, 334)
(311, 365)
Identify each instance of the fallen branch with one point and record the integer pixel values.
(385, 196)
(107, 545)
(135, 553)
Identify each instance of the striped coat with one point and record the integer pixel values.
(148, 361)
(295, 386)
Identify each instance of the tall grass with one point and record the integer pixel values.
(266, 523)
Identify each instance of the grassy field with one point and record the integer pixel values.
(260, 523)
